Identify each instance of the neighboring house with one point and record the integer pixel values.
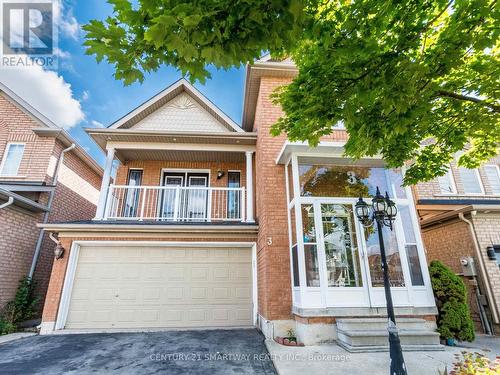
(460, 217)
(31, 147)
(211, 224)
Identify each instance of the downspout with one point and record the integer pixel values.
(8, 203)
(36, 255)
(481, 265)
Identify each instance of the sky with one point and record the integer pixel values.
(83, 94)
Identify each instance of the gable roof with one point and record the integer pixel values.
(170, 93)
(49, 128)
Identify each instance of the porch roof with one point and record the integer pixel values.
(334, 151)
(159, 145)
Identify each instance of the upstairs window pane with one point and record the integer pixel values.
(493, 175)
(12, 159)
(446, 183)
(341, 181)
(470, 181)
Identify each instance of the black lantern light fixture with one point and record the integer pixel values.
(383, 212)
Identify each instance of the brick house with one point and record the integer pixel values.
(31, 147)
(210, 224)
(460, 217)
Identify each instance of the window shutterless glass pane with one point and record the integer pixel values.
(414, 264)
(233, 196)
(446, 185)
(312, 265)
(12, 160)
(295, 266)
(493, 174)
(342, 258)
(404, 212)
(308, 228)
(341, 181)
(470, 181)
(132, 196)
(396, 277)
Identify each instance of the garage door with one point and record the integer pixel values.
(155, 287)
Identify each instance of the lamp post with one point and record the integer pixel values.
(383, 211)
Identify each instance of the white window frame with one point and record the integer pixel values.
(478, 176)
(451, 179)
(4, 158)
(320, 297)
(498, 174)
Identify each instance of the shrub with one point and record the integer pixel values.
(454, 320)
(21, 308)
(6, 327)
(474, 364)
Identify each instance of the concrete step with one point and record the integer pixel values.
(362, 324)
(365, 334)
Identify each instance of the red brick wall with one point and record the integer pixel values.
(68, 205)
(152, 170)
(15, 126)
(18, 234)
(275, 300)
(18, 228)
(430, 189)
(448, 243)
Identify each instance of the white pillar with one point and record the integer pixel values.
(106, 178)
(249, 168)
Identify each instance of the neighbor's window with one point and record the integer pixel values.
(493, 175)
(12, 159)
(471, 181)
(446, 183)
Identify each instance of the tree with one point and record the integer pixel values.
(418, 79)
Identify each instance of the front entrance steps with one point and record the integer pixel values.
(370, 334)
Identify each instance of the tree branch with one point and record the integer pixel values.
(449, 94)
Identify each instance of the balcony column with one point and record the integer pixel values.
(106, 178)
(249, 169)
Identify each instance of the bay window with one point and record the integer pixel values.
(338, 257)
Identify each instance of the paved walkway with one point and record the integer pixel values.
(171, 352)
(332, 359)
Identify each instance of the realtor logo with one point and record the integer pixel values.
(28, 33)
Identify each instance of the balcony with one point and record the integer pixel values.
(175, 204)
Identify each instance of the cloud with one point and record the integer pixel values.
(66, 21)
(85, 96)
(62, 54)
(97, 124)
(45, 91)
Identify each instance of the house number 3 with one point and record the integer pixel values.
(351, 178)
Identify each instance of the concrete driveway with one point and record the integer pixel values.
(174, 352)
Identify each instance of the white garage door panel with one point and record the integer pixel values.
(160, 287)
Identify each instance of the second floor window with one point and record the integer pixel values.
(471, 181)
(493, 175)
(446, 183)
(12, 159)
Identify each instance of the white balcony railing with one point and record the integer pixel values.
(165, 203)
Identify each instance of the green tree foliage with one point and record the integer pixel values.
(397, 74)
(454, 320)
